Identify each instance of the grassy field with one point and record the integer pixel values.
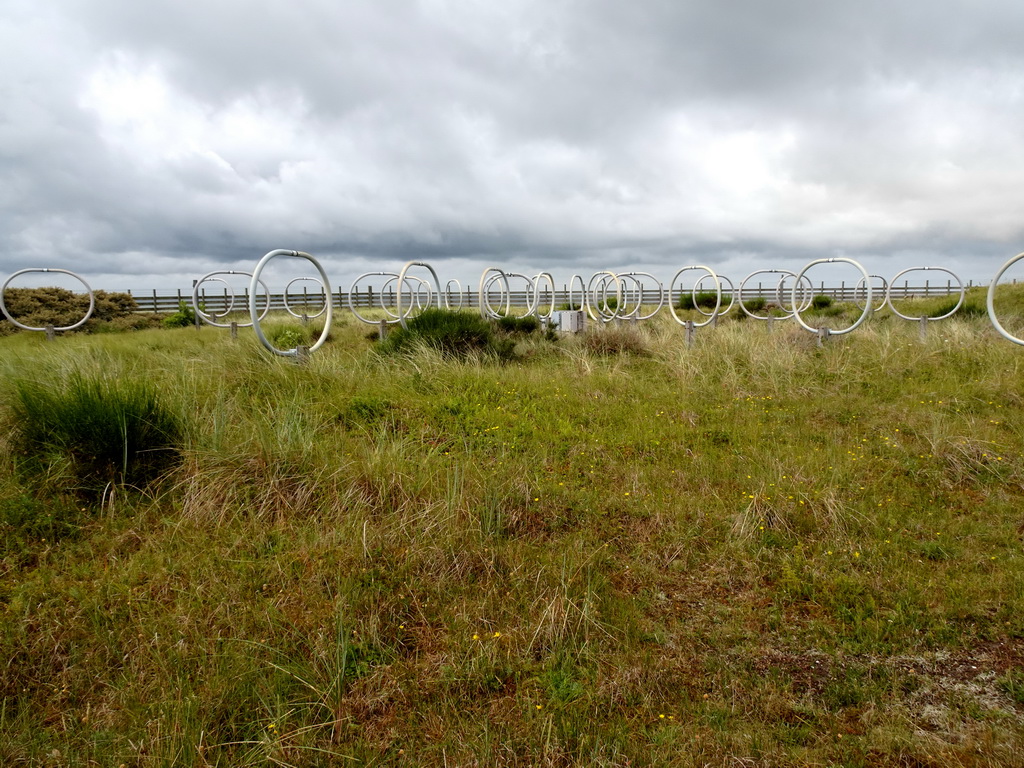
(614, 550)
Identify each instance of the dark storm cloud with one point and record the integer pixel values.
(161, 138)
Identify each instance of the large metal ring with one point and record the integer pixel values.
(990, 301)
(486, 310)
(888, 292)
(835, 260)
(256, 318)
(401, 281)
(73, 326)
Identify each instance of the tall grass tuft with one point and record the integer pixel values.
(99, 430)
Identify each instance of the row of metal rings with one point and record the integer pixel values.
(596, 295)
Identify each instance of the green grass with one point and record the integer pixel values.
(615, 549)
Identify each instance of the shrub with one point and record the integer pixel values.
(821, 301)
(756, 304)
(704, 300)
(103, 430)
(183, 318)
(453, 333)
(59, 307)
(513, 324)
(287, 335)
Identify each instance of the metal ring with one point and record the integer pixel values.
(721, 312)
(252, 302)
(804, 304)
(718, 294)
(312, 280)
(73, 326)
(230, 296)
(744, 284)
(888, 292)
(583, 293)
(448, 293)
(402, 279)
(591, 293)
(213, 276)
(884, 291)
(990, 301)
(352, 290)
(640, 290)
(486, 310)
(536, 295)
(836, 260)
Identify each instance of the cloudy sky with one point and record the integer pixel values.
(144, 144)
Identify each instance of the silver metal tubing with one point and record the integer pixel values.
(599, 310)
(888, 292)
(255, 318)
(718, 295)
(990, 301)
(212, 277)
(401, 281)
(783, 272)
(326, 293)
(73, 326)
(486, 310)
(829, 331)
(721, 312)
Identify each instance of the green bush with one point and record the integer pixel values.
(453, 333)
(99, 430)
(821, 301)
(703, 299)
(183, 318)
(513, 324)
(756, 304)
(287, 335)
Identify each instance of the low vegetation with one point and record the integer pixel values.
(611, 549)
(60, 308)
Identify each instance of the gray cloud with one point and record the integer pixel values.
(157, 141)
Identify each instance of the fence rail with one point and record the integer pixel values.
(310, 302)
